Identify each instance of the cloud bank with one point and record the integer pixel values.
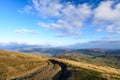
(97, 44)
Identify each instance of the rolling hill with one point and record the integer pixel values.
(94, 56)
(21, 66)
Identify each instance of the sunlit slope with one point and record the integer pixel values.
(14, 64)
(105, 72)
(111, 59)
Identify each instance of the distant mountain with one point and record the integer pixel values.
(19, 47)
(52, 51)
(14, 46)
(91, 51)
(55, 50)
(97, 44)
(33, 48)
(109, 57)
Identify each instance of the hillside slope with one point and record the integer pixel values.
(112, 60)
(19, 66)
(14, 64)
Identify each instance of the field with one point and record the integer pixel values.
(20, 66)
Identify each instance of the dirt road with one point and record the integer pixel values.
(54, 70)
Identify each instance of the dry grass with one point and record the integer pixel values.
(107, 72)
(14, 64)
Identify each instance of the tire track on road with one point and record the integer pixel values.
(54, 70)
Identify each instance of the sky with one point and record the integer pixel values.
(59, 22)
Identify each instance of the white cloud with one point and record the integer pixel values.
(28, 9)
(112, 29)
(99, 30)
(108, 14)
(21, 31)
(104, 11)
(48, 7)
(61, 35)
(70, 18)
(63, 27)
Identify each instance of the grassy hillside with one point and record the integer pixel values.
(16, 64)
(111, 60)
(85, 71)
(19, 66)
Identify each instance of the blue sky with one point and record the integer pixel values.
(59, 22)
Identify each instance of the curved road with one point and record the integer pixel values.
(54, 70)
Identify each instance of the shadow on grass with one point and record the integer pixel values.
(64, 74)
